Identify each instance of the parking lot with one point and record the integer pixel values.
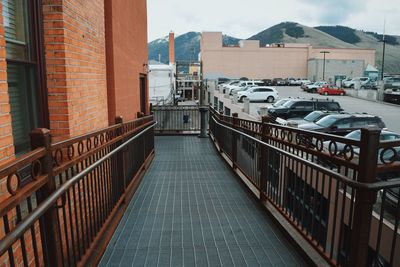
(389, 113)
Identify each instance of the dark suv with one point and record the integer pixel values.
(299, 108)
(342, 124)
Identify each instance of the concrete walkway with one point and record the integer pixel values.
(190, 210)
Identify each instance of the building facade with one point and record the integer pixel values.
(250, 60)
(70, 66)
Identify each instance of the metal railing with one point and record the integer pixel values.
(177, 119)
(65, 214)
(331, 189)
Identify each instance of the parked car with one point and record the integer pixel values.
(239, 89)
(313, 88)
(289, 81)
(304, 84)
(243, 84)
(295, 82)
(299, 108)
(278, 81)
(331, 90)
(356, 135)
(370, 85)
(354, 81)
(312, 117)
(347, 79)
(259, 93)
(226, 86)
(277, 103)
(342, 124)
(267, 82)
(392, 83)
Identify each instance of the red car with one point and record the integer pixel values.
(331, 90)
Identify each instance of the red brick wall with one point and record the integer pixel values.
(6, 139)
(74, 35)
(126, 37)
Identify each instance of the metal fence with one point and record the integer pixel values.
(65, 214)
(177, 119)
(340, 194)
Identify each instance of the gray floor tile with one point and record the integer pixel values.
(190, 210)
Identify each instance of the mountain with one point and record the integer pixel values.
(187, 46)
(291, 32)
(372, 40)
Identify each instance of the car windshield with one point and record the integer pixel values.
(327, 121)
(385, 136)
(356, 135)
(288, 104)
(313, 116)
(280, 102)
(389, 136)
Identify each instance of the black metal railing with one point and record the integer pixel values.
(326, 186)
(76, 196)
(177, 119)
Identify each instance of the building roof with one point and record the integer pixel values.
(156, 62)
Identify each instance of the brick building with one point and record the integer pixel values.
(250, 60)
(70, 66)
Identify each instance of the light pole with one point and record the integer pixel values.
(383, 49)
(323, 66)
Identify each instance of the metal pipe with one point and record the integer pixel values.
(203, 122)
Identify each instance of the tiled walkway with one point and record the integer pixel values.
(190, 210)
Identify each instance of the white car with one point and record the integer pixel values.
(313, 88)
(225, 86)
(352, 82)
(243, 84)
(237, 90)
(259, 93)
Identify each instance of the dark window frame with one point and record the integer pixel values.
(36, 60)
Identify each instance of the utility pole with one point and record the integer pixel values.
(323, 66)
(383, 50)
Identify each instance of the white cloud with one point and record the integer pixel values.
(244, 18)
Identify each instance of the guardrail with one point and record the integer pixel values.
(177, 119)
(334, 191)
(65, 214)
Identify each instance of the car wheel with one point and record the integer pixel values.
(352, 86)
(325, 93)
(270, 99)
(241, 99)
(362, 87)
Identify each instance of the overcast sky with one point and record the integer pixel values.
(243, 18)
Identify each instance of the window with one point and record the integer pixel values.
(359, 123)
(343, 124)
(24, 70)
(304, 105)
(328, 106)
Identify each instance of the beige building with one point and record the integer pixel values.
(250, 60)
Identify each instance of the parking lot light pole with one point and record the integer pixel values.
(323, 66)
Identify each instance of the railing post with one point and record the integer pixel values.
(263, 158)
(49, 226)
(365, 198)
(120, 159)
(203, 122)
(219, 140)
(234, 139)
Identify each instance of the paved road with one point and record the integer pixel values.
(389, 113)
